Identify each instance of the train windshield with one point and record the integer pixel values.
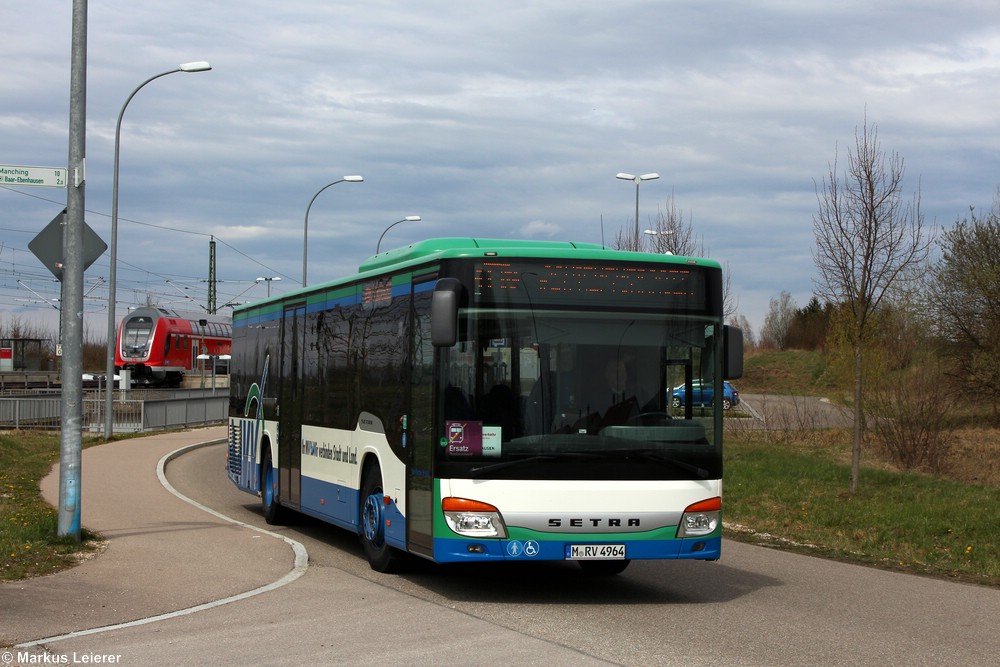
(136, 333)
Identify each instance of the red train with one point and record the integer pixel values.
(159, 345)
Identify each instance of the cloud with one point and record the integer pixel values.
(540, 229)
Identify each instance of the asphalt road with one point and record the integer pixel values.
(771, 411)
(757, 606)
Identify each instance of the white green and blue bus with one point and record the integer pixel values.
(480, 400)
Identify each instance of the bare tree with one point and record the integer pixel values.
(778, 322)
(668, 234)
(749, 338)
(672, 235)
(730, 303)
(625, 239)
(867, 237)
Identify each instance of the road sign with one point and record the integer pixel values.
(45, 177)
(48, 246)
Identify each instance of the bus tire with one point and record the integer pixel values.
(381, 556)
(603, 568)
(273, 511)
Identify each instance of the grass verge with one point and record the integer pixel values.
(29, 546)
(795, 496)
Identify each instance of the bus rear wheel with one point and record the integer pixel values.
(381, 556)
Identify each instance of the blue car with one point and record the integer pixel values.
(705, 395)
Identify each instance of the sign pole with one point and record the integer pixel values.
(71, 312)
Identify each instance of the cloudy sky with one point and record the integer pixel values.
(485, 118)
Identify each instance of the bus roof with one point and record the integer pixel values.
(433, 250)
(446, 248)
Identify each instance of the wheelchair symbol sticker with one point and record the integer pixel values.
(516, 549)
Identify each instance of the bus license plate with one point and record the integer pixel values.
(595, 552)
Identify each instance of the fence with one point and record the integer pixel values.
(142, 411)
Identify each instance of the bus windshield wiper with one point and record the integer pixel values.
(660, 457)
(646, 454)
(551, 456)
(482, 470)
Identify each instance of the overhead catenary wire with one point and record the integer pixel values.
(135, 291)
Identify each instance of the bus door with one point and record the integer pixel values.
(420, 429)
(291, 403)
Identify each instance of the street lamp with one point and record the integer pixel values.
(215, 359)
(655, 232)
(409, 218)
(268, 281)
(637, 179)
(305, 226)
(199, 66)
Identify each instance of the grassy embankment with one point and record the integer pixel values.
(790, 489)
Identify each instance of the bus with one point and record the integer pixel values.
(480, 400)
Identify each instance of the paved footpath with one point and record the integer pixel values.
(162, 554)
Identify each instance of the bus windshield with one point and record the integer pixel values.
(578, 394)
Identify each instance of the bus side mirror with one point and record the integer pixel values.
(733, 360)
(444, 312)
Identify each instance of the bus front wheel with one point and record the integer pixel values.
(273, 511)
(381, 556)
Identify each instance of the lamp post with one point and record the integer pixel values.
(215, 359)
(268, 281)
(657, 233)
(637, 179)
(305, 225)
(199, 66)
(409, 218)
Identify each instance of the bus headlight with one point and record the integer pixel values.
(701, 518)
(471, 518)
